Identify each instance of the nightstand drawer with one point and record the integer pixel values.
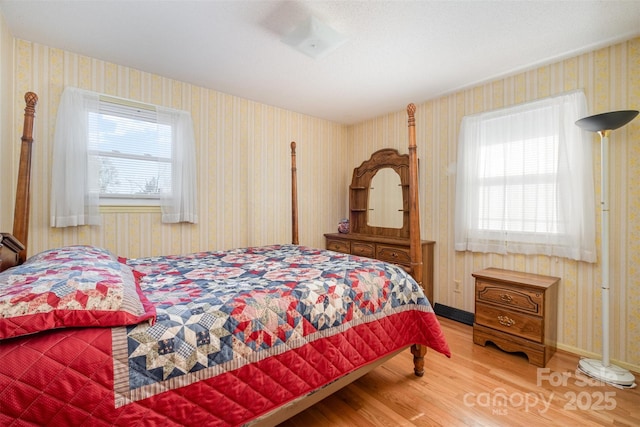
(393, 254)
(10, 247)
(343, 246)
(525, 300)
(363, 249)
(511, 322)
(8, 258)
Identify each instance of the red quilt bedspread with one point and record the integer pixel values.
(238, 334)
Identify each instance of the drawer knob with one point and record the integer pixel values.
(506, 321)
(506, 298)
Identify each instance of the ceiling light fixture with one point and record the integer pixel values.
(314, 38)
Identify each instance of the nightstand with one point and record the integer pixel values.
(517, 312)
(10, 247)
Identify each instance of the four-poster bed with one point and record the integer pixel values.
(246, 336)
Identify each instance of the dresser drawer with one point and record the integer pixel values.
(511, 322)
(528, 301)
(393, 254)
(343, 246)
(363, 249)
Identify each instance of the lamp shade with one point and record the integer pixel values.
(607, 121)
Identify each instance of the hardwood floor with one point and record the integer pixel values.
(478, 386)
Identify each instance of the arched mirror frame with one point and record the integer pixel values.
(385, 200)
(360, 187)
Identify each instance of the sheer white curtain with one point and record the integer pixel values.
(75, 188)
(524, 181)
(181, 204)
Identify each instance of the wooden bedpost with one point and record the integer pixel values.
(294, 196)
(23, 197)
(418, 351)
(415, 243)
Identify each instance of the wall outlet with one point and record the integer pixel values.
(457, 286)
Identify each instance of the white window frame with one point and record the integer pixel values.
(132, 110)
(75, 189)
(534, 146)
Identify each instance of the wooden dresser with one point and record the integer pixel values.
(517, 312)
(390, 249)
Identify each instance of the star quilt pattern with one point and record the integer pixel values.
(219, 311)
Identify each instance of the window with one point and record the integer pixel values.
(108, 149)
(525, 182)
(132, 150)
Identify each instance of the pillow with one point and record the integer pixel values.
(73, 286)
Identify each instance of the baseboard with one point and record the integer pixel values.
(468, 319)
(584, 353)
(454, 314)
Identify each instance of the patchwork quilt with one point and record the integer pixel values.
(236, 334)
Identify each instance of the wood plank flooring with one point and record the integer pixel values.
(478, 386)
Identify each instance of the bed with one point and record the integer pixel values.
(249, 336)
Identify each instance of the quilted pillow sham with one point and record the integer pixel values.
(73, 286)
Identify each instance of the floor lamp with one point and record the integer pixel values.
(603, 370)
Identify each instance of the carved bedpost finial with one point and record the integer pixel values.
(411, 111)
(31, 99)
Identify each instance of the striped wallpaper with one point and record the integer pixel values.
(7, 193)
(244, 175)
(243, 152)
(610, 78)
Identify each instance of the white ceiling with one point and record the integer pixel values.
(397, 51)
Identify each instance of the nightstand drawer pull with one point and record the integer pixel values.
(506, 298)
(506, 321)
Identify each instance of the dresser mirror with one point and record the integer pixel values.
(379, 195)
(385, 200)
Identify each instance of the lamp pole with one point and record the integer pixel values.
(603, 124)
